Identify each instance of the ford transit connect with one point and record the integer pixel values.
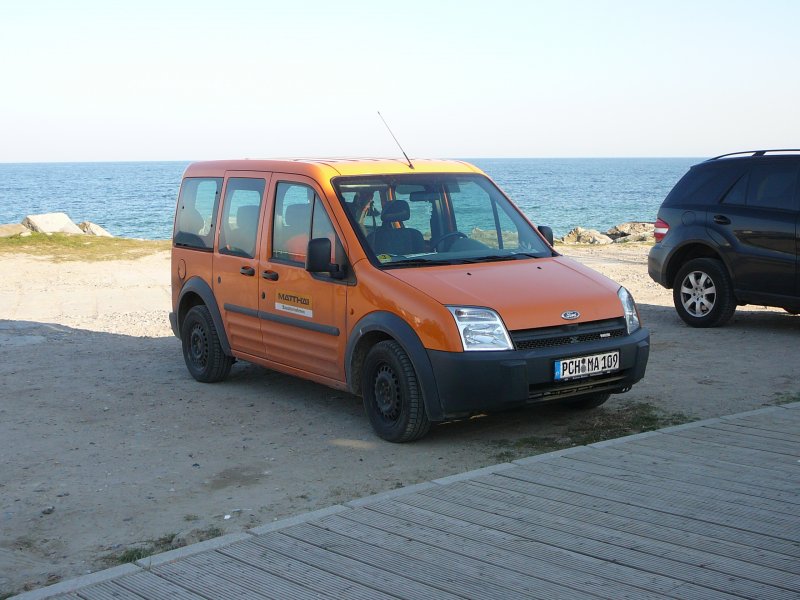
(420, 287)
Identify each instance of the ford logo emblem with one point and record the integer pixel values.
(570, 315)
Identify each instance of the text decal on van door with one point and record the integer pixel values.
(297, 304)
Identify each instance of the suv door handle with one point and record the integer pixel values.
(271, 275)
(249, 271)
(721, 220)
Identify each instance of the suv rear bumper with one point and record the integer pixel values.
(657, 260)
(471, 382)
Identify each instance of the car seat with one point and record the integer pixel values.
(391, 237)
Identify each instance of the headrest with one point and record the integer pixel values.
(394, 211)
(298, 215)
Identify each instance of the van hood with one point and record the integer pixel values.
(526, 293)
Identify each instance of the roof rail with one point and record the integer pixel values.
(755, 153)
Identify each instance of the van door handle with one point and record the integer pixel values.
(721, 220)
(249, 271)
(271, 275)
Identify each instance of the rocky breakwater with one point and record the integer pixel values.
(619, 234)
(50, 223)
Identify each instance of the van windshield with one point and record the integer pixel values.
(416, 220)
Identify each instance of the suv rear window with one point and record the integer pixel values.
(704, 184)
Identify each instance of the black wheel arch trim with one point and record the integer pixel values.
(715, 251)
(400, 331)
(198, 286)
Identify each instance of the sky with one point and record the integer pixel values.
(105, 80)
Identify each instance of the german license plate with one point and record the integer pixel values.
(584, 366)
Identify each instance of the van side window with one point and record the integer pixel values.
(197, 209)
(240, 212)
(292, 221)
(300, 216)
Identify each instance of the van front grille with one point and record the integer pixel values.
(563, 335)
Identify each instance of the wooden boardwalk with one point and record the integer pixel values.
(705, 510)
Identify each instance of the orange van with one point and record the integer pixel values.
(419, 286)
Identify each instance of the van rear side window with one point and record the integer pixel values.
(197, 209)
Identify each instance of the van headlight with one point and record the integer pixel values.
(630, 310)
(480, 328)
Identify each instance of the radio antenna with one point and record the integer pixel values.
(408, 160)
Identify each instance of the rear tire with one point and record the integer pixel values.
(202, 351)
(392, 397)
(588, 402)
(703, 293)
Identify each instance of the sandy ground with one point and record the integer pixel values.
(108, 442)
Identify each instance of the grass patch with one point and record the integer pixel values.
(64, 247)
(590, 427)
(162, 544)
(786, 398)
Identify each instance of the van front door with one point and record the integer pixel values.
(303, 315)
(235, 280)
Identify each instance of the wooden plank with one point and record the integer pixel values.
(294, 570)
(435, 568)
(750, 519)
(491, 500)
(682, 444)
(659, 486)
(633, 556)
(498, 568)
(712, 546)
(108, 590)
(739, 439)
(635, 462)
(366, 574)
(250, 577)
(570, 504)
(767, 478)
(523, 567)
(197, 580)
(150, 585)
(764, 432)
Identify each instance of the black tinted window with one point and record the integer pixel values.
(773, 186)
(704, 184)
(738, 193)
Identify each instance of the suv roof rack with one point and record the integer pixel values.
(756, 153)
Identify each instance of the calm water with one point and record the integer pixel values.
(137, 199)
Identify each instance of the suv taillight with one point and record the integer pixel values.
(662, 229)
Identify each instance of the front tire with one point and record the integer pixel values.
(392, 397)
(202, 351)
(703, 293)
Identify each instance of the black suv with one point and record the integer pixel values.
(728, 233)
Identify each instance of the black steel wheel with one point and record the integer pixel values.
(703, 293)
(202, 351)
(392, 397)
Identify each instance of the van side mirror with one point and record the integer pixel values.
(318, 259)
(547, 232)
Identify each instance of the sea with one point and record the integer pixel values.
(137, 199)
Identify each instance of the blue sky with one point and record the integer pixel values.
(88, 80)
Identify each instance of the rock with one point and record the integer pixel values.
(640, 237)
(579, 235)
(13, 229)
(90, 228)
(48, 510)
(626, 229)
(51, 223)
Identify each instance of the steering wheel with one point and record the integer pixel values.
(457, 234)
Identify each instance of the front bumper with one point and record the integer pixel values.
(472, 382)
